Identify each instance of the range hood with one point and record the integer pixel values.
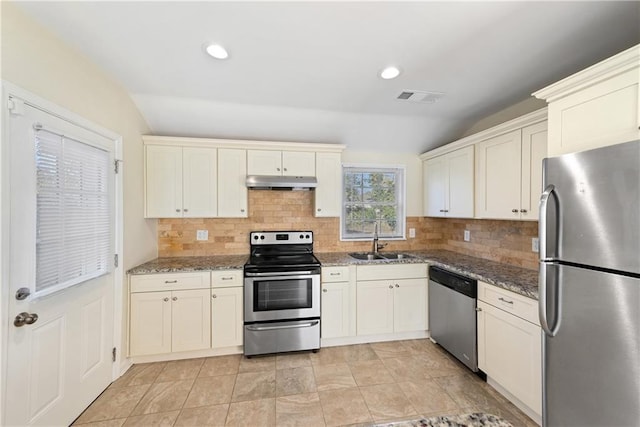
(269, 182)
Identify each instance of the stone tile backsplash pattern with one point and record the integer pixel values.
(501, 241)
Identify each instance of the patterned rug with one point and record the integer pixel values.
(477, 419)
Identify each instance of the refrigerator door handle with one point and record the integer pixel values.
(542, 302)
(542, 223)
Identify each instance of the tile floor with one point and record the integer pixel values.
(351, 385)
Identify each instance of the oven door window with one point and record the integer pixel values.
(282, 294)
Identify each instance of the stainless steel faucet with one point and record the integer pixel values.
(375, 245)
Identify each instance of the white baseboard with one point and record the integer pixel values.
(524, 408)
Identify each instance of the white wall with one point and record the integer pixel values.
(37, 61)
(521, 108)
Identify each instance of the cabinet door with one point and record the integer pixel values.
(409, 309)
(199, 182)
(226, 317)
(264, 162)
(498, 176)
(374, 307)
(435, 186)
(190, 320)
(163, 182)
(460, 183)
(298, 163)
(150, 323)
(336, 306)
(329, 191)
(534, 149)
(510, 352)
(232, 189)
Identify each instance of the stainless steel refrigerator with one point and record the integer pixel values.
(590, 287)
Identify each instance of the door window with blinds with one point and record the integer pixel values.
(372, 196)
(74, 211)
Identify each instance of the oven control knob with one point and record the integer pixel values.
(261, 237)
(302, 236)
(307, 236)
(255, 237)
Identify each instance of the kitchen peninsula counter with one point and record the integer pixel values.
(516, 279)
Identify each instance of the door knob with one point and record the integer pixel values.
(25, 318)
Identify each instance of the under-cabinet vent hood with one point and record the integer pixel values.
(268, 182)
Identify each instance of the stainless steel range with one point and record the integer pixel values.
(281, 293)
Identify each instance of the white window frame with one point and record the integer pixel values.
(401, 192)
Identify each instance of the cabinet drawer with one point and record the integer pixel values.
(171, 281)
(226, 278)
(391, 271)
(518, 305)
(335, 274)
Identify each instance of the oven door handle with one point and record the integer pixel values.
(283, 273)
(271, 328)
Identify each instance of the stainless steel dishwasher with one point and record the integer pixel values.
(452, 314)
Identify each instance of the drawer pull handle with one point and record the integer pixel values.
(334, 274)
(504, 300)
(170, 281)
(227, 278)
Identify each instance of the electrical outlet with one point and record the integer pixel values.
(412, 233)
(535, 244)
(202, 235)
(467, 235)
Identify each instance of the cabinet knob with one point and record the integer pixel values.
(177, 210)
(166, 299)
(285, 169)
(319, 210)
(185, 210)
(390, 286)
(441, 210)
(514, 210)
(278, 169)
(242, 210)
(478, 309)
(214, 296)
(175, 298)
(397, 286)
(324, 290)
(523, 210)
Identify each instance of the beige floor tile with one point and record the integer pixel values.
(299, 410)
(109, 423)
(466, 391)
(427, 397)
(211, 391)
(334, 376)
(220, 365)
(180, 370)
(442, 366)
(292, 360)
(344, 406)
(145, 373)
(407, 368)
(295, 381)
(390, 349)
(387, 401)
(328, 355)
(114, 403)
(358, 353)
(160, 419)
(418, 347)
(370, 372)
(205, 416)
(254, 385)
(163, 397)
(257, 364)
(252, 413)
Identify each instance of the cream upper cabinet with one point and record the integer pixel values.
(596, 107)
(232, 190)
(286, 163)
(180, 182)
(509, 174)
(448, 184)
(328, 193)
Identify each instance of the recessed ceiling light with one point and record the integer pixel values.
(390, 73)
(217, 51)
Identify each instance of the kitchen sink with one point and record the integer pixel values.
(370, 256)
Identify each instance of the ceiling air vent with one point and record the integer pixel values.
(420, 96)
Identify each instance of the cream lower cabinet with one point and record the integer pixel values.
(227, 315)
(510, 345)
(338, 302)
(391, 298)
(509, 174)
(169, 321)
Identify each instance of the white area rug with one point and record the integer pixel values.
(477, 419)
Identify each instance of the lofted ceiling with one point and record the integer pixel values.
(308, 71)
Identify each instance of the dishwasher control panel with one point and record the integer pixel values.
(458, 283)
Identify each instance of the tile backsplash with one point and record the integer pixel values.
(503, 241)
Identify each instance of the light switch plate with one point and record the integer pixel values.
(467, 235)
(535, 244)
(412, 233)
(202, 235)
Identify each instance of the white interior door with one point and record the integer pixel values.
(59, 362)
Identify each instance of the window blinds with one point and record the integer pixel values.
(73, 225)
